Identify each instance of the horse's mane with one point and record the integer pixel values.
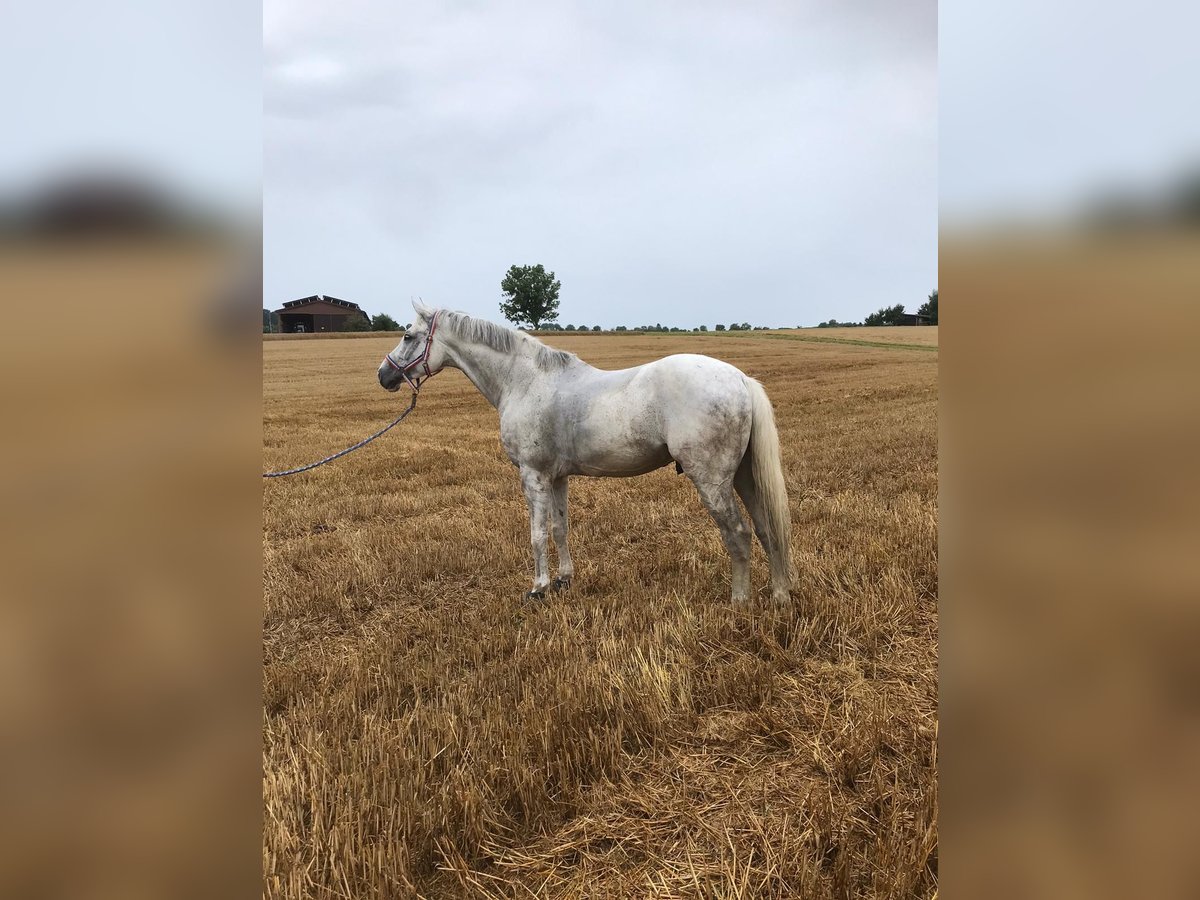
(506, 340)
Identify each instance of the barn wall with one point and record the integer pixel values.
(328, 322)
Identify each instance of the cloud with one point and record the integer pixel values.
(681, 162)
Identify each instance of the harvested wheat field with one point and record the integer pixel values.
(429, 734)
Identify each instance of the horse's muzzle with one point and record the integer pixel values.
(390, 379)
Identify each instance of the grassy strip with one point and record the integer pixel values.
(826, 340)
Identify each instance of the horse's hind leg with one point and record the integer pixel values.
(743, 483)
(718, 500)
(558, 520)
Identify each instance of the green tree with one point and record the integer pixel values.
(595, 328)
(720, 327)
(384, 322)
(530, 296)
(355, 322)
(620, 328)
(929, 308)
(569, 328)
(704, 328)
(889, 315)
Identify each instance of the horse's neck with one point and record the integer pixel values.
(494, 373)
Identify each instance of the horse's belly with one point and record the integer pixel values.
(620, 435)
(624, 461)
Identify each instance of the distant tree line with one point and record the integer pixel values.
(546, 287)
(895, 315)
(381, 322)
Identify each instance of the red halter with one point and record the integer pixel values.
(422, 360)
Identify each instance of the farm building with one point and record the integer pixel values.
(914, 319)
(316, 313)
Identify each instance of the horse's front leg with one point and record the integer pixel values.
(538, 496)
(558, 513)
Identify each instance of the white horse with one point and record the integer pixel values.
(560, 416)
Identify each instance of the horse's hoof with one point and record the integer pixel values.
(561, 584)
(535, 595)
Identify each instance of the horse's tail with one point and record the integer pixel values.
(767, 468)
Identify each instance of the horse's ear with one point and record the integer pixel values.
(422, 310)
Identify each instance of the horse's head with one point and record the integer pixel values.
(418, 356)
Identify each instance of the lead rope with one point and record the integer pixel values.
(340, 453)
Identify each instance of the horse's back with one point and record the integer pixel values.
(697, 366)
(687, 383)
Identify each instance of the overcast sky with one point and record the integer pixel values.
(683, 163)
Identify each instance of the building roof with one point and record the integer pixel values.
(293, 305)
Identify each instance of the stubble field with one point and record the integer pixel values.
(427, 733)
